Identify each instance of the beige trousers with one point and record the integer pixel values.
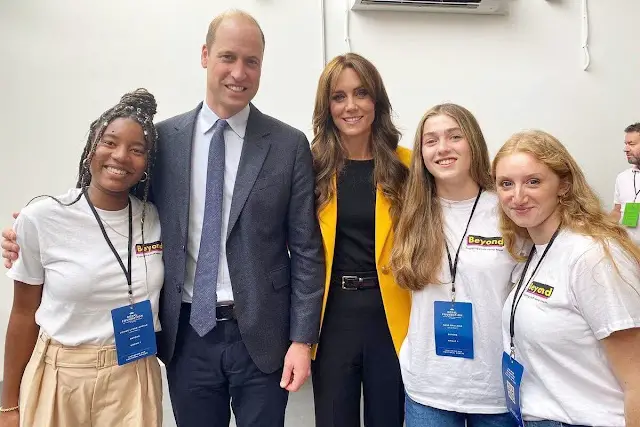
(83, 386)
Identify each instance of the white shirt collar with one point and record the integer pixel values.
(237, 122)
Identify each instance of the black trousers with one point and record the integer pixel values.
(208, 374)
(356, 354)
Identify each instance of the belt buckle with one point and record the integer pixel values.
(222, 319)
(350, 279)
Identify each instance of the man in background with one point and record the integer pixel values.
(626, 197)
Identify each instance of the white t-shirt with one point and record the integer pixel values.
(483, 278)
(63, 248)
(577, 299)
(624, 193)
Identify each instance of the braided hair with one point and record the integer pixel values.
(140, 106)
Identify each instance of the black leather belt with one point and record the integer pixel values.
(356, 282)
(225, 312)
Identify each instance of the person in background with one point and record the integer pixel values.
(360, 174)
(571, 324)
(89, 260)
(626, 199)
(451, 255)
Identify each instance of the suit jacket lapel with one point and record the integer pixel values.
(254, 151)
(180, 149)
(383, 222)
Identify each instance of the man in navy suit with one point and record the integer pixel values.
(271, 267)
(244, 266)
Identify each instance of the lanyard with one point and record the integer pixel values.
(636, 192)
(453, 266)
(516, 298)
(127, 273)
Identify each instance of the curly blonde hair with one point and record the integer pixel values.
(579, 207)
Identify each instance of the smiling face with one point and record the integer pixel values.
(528, 191)
(120, 158)
(352, 107)
(445, 150)
(234, 65)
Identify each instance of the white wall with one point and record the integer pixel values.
(64, 62)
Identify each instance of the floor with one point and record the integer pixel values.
(299, 409)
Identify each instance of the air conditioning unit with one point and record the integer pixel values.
(487, 7)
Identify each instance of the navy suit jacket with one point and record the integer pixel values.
(274, 247)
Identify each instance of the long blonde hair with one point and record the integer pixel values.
(327, 149)
(579, 207)
(416, 258)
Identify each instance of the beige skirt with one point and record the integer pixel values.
(84, 386)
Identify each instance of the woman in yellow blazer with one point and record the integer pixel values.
(360, 177)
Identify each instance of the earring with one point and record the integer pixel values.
(145, 175)
(86, 162)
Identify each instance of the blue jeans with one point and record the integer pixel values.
(548, 424)
(418, 415)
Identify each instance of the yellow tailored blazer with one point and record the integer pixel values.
(397, 301)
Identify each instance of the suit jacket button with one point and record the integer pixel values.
(385, 270)
(179, 289)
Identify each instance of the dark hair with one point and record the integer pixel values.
(633, 128)
(328, 151)
(139, 105)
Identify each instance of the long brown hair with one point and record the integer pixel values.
(328, 151)
(419, 241)
(579, 207)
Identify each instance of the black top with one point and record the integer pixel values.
(356, 227)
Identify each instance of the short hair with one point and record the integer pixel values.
(633, 128)
(231, 13)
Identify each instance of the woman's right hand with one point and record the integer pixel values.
(10, 419)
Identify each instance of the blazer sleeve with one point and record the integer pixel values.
(305, 246)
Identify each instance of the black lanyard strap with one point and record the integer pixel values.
(636, 192)
(516, 297)
(453, 266)
(127, 272)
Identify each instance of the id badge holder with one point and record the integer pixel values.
(512, 372)
(453, 323)
(631, 215)
(134, 332)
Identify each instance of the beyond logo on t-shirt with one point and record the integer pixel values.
(490, 242)
(540, 289)
(149, 248)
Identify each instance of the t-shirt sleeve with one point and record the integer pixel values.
(28, 267)
(616, 193)
(608, 298)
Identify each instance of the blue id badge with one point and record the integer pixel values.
(511, 377)
(134, 332)
(453, 329)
